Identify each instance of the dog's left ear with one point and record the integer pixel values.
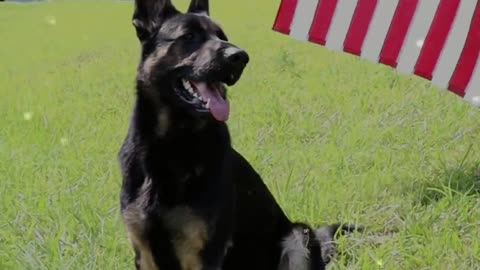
(199, 6)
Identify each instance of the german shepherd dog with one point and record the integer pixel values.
(189, 201)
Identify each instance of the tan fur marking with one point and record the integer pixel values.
(134, 218)
(190, 236)
(179, 31)
(153, 59)
(146, 257)
(189, 232)
(163, 119)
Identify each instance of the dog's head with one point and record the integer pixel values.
(186, 58)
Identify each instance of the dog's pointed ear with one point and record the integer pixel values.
(149, 16)
(199, 6)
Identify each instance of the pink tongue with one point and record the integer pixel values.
(219, 107)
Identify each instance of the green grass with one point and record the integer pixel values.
(335, 138)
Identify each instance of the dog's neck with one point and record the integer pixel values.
(157, 120)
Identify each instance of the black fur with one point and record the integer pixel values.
(189, 200)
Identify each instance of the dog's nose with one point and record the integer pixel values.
(236, 56)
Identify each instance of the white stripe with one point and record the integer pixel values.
(416, 35)
(340, 24)
(378, 29)
(454, 44)
(302, 19)
(473, 87)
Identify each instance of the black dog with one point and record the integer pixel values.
(189, 201)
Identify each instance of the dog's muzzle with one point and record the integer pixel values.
(235, 60)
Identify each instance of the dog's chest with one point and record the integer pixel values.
(187, 176)
(181, 185)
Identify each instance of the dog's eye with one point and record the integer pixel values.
(189, 37)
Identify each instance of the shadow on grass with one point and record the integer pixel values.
(460, 180)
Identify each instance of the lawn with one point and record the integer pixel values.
(335, 138)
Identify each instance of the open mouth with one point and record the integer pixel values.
(205, 97)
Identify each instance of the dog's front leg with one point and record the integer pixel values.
(216, 249)
(214, 255)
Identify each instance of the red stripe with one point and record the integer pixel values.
(359, 26)
(466, 64)
(284, 18)
(436, 38)
(398, 31)
(321, 22)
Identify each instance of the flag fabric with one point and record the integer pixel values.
(438, 40)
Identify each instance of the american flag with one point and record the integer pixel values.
(438, 40)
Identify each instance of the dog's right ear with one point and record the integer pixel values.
(149, 16)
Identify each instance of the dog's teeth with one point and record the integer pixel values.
(187, 85)
(208, 104)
